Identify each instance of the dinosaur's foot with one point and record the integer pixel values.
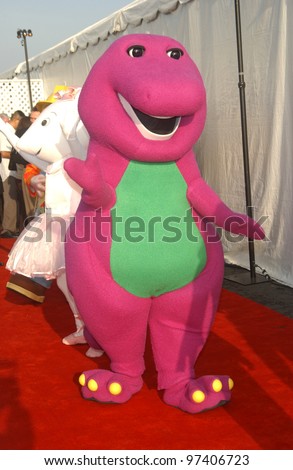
(200, 394)
(108, 387)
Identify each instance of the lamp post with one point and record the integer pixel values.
(22, 34)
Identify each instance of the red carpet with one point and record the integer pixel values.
(41, 406)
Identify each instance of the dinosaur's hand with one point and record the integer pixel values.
(209, 205)
(241, 224)
(96, 192)
(78, 171)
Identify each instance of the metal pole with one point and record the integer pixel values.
(27, 70)
(241, 86)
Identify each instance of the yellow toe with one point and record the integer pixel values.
(92, 385)
(81, 380)
(115, 388)
(217, 385)
(198, 396)
(231, 384)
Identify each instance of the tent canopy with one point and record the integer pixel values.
(130, 16)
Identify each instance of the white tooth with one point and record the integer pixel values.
(161, 117)
(142, 129)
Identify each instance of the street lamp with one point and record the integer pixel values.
(22, 34)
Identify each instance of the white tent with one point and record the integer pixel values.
(207, 29)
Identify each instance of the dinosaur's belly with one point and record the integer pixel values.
(156, 246)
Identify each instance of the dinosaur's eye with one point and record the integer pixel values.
(45, 122)
(175, 53)
(136, 51)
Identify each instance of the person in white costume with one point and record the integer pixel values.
(39, 250)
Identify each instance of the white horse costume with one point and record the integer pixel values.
(39, 250)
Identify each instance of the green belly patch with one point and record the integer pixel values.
(156, 246)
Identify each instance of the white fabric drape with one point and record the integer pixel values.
(266, 36)
(207, 29)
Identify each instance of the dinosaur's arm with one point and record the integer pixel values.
(96, 192)
(209, 205)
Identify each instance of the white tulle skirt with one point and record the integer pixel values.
(39, 249)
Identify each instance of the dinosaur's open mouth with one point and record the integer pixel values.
(161, 126)
(151, 127)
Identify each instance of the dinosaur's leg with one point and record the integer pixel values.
(180, 322)
(117, 321)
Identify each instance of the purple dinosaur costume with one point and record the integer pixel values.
(143, 242)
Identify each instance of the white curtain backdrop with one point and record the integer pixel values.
(267, 34)
(207, 28)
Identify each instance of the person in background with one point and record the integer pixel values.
(10, 223)
(4, 118)
(17, 163)
(29, 200)
(34, 114)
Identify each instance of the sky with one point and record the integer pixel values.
(51, 21)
